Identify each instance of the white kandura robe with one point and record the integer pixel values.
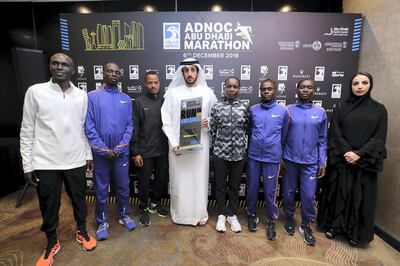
(188, 172)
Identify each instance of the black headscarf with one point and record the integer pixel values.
(360, 125)
(354, 102)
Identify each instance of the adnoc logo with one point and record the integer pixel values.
(282, 72)
(133, 71)
(319, 73)
(281, 102)
(245, 72)
(171, 35)
(208, 71)
(169, 71)
(82, 86)
(98, 72)
(336, 91)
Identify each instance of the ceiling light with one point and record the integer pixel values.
(83, 10)
(216, 8)
(286, 8)
(149, 8)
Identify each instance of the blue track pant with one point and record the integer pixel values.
(307, 175)
(104, 169)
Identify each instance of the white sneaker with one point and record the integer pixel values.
(221, 223)
(235, 225)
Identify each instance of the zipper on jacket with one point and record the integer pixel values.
(231, 132)
(262, 137)
(304, 135)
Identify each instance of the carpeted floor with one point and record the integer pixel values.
(164, 243)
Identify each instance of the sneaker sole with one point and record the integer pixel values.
(101, 238)
(221, 230)
(144, 225)
(235, 231)
(308, 243)
(272, 239)
(55, 253)
(155, 212)
(288, 233)
(80, 242)
(127, 229)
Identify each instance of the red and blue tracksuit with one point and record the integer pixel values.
(109, 126)
(304, 152)
(268, 126)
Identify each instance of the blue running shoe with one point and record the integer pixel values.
(128, 223)
(102, 232)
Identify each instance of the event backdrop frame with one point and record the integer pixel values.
(253, 46)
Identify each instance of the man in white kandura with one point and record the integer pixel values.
(188, 172)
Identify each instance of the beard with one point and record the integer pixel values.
(190, 82)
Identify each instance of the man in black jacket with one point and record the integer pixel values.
(150, 148)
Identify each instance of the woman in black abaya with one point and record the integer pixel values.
(356, 152)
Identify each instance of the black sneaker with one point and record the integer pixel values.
(271, 233)
(308, 236)
(144, 218)
(156, 208)
(353, 243)
(330, 234)
(289, 227)
(252, 221)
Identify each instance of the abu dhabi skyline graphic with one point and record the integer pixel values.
(112, 38)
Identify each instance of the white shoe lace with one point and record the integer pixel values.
(235, 225)
(103, 226)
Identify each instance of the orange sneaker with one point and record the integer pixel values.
(87, 244)
(47, 257)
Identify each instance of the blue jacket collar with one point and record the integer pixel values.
(304, 105)
(110, 88)
(267, 105)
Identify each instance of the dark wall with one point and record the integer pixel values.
(36, 26)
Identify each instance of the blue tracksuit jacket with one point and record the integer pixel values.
(109, 124)
(306, 137)
(268, 126)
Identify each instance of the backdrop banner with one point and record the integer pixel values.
(253, 46)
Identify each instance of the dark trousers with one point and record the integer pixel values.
(49, 193)
(160, 166)
(234, 170)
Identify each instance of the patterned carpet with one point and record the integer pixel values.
(164, 243)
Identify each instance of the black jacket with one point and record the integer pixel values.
(149, 140)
